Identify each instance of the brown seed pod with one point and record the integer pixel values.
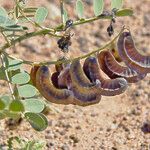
(84, 91)
(131, 56)
(81, 98)
(114, 70)
(76, 81)
(47, 89)
(33, 74)
(110, 87)
(64, 80)
(133, 53)
(54, 79)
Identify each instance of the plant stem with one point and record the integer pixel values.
(62, 11)
(7, 77)
(51, 31)
(70, 60)
(27, 36)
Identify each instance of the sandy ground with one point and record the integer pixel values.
(116, 123)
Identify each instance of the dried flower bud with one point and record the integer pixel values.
(110, 30)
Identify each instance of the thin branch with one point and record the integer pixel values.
(7, 77)
(62, 11)
(70, 60)
(52, 31)
(27, 36)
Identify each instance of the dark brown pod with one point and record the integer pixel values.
(131, 57)
(110, 87)
(133, 53)
(114, 69)
(80, 98)
(47, 89)
(64, 80)
(116, 55)
(54, 79)
(33, 74)
(85, 92)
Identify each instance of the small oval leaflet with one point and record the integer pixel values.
(124, 12)
(27, 90)
(41, 14)
(20, 78)
(14, 64)
(2, 73)
(12, 114)
(79, 8)
(5, 21)
(6, 99)
(3, 12)
(116, 4)
(37, 121)
(16, 106)
(33, 105)
(65, 16)
(98, 7)
(2, 115)
(2, 104)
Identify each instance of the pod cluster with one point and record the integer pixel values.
(99, 76)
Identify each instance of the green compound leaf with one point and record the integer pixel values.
(41, 14)
(65, 16)
(16, 106)
(2, 115)
(14, 65)
(15, 28)
(30, 10)
(79, 8)
(12, 114)
(124, 12)
(20, 78)
(33, 105)
(3, 12)
(6, 99)
(2, 104)
(98, 7)
(2, 73)
(27, 90)
(116, 4)
(37, 121)
(5, 21)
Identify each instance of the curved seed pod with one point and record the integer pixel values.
(64, 80)
(114, 70)
(49, 92)
(78, 74)
(84, 91)
(114, 51)
(54, 79)
(130, 56)
(134, 55)
(81, 99)
(33, 74)
(111, 87)
(116, 55)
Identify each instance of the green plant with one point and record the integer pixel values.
(23, 101)
(21, 144)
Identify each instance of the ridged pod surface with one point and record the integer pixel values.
(110, 87)
(131, 57)
(47, 89)
(114, 69)
(85, 92)
(33, 74)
